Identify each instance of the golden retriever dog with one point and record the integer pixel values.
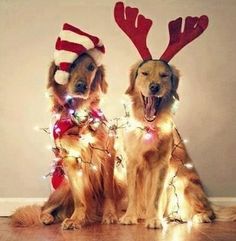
(91, 193)
(160, 181)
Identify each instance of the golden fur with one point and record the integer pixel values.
(153, 166)
(95, 195)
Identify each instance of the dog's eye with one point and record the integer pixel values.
(91, 67)
(145, 73)
(164, 75)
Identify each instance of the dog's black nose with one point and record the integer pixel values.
(154, 88)
(81, 87)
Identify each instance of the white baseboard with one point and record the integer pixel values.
(9, 205)
(223, 201)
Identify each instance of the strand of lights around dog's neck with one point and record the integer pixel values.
(125, 123)
(86, 139)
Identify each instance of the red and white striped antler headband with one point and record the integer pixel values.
(126, 18)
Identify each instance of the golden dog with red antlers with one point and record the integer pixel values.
(162, 182)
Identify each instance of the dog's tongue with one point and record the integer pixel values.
(150, 109)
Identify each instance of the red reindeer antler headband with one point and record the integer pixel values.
(126, 17)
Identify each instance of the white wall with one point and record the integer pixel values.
(207, 110)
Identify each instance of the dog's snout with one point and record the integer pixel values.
(154, 88)
(81, 87)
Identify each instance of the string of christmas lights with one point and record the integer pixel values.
(113, 126)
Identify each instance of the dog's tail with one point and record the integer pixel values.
(225, 214)
(26, 216)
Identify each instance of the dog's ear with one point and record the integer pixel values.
(175, 81)
(132, 77)
(100, 80)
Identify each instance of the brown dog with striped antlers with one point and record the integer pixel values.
(161, 179)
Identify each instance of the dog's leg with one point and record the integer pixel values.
(78, 218)
(55, 200)
(157, 180)
(199, 209)
(195, 196)
(130, 217)
(109, 207)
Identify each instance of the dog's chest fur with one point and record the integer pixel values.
(144, 150)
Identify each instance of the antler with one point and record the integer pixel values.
(194, 27)
(138, 35)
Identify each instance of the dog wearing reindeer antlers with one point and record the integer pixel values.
(161, 179)
(84, 146)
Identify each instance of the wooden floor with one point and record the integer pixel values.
(174, 232)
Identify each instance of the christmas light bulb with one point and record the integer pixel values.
(94, 168)
(57, 130)
(166, 127)
(190, 225)
(111, 134)
(49, 147)
(74, 153)
(96, 124)
(86, 139)
(71, 111)
(36, 128)
(175, 106)
(148, 136)
(99, 113)
(164, 224)
(80, 173)
(185, 140)
(68, 98)
(97, 120)
(188, 165)
(47, 95)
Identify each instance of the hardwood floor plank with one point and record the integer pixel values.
(220, 231)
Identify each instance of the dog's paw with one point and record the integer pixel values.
(201, 218)
(70, 223)
(109, 218)
(129, 219)
(153, 223)
(46, 218)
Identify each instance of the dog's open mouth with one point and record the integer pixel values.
(151, 104)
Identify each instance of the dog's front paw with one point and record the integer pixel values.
(70, 223)
(128, 219)
(201, 218)
(153, 223)
(76, 221)
(109, 218)
(46, 218)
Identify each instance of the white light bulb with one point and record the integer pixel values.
(80, 173)
(94, 168)
(185, 140)
(47, 95)
(49, 147)
(68, 98)
(147, 136)
(71, 112)
(100, 114)
(57, 130)
(36, 128)
(188, 165)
